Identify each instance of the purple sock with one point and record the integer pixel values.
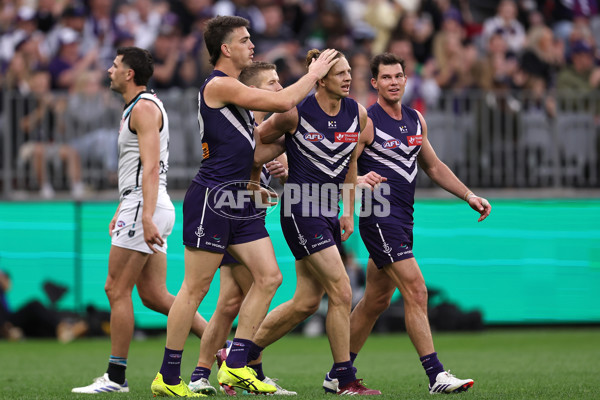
(254, 352)
(353, 357)
(238, 355)
(171, 366)
(259, 371)
(344, 372)
(432, 366)
(199, 373)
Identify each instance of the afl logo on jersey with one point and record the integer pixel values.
(313, 136)
(391, 144)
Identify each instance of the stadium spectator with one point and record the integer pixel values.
(24, 26)
(68, 63)
(91, 127)
(101, 23)
(419, 30)
(242, 8)
(44, 143)
(361, 89)
(455, 63)
(582, 74)
(497, 69)
(277, 38)
(142, 19)
(383, 17)
(505, 23)
(543, 56)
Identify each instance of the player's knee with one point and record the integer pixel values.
(417, 295)
(378, 304)
(232, 308)
(307, 307)
(269, 283)
(342, 296)
(115, 292)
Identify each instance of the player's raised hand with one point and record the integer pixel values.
(323, 63)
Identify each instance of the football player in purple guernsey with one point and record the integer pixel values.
(211, 223)
(321, 134)
(389, 159)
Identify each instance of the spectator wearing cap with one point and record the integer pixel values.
(505, 23)
(581, 74)
(25, 26)
(72, 17)
(142, 19)
(68, 64)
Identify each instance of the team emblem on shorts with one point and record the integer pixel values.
(131, 233)
(200, 231)
(301, 240)
(387, 249)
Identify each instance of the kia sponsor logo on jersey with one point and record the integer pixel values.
(415, 140)
(391, 144)
(313, 136)
(346, 137)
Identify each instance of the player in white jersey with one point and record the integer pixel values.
(145, 215)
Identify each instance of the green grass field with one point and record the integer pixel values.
(557, 363)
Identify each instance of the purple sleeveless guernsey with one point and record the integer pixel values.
(227, 139)
(319, 150)
(393, 154)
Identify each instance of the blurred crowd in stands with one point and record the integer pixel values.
(53, 46)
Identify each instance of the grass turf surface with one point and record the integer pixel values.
(556, 363)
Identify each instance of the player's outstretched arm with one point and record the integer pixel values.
(228, 90)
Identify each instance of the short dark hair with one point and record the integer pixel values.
(217, 32)
(385, 59)
(249, 75)
(140, 61)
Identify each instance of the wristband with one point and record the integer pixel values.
(468, 195)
